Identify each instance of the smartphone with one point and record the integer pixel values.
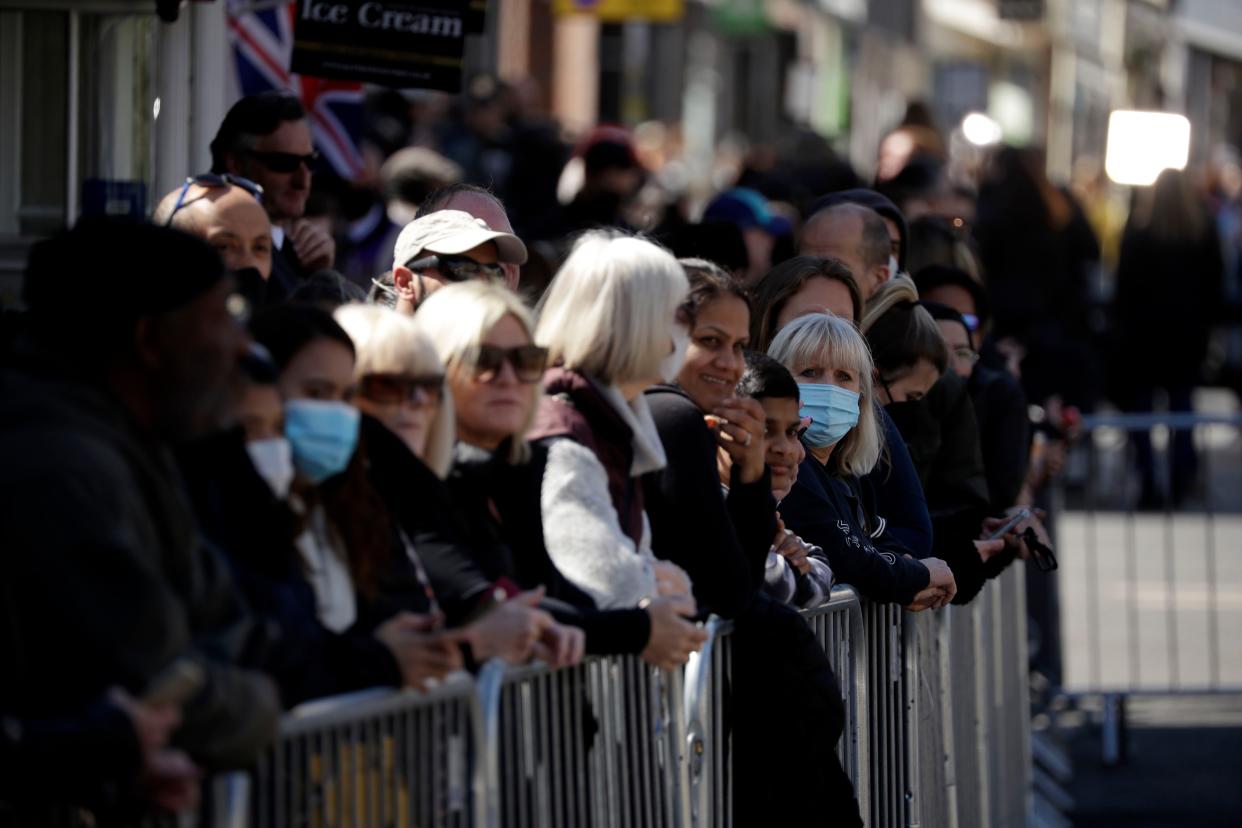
(1021, 515)
(177, 684)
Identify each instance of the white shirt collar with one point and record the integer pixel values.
(648, 450)
(278, 236)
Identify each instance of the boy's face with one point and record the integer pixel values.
(782, 449)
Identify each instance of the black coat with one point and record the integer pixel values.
(256, 531)
(500, 504)
(106, 579)
(722, 543)
(1168, 295)
(827, 511)
(1004, 433)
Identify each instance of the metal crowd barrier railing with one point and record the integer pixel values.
(936, 734)
(1147, 592)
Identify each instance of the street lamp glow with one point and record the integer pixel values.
(980, 130)
(1141, 144)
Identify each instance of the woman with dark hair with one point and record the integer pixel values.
(935, 416)
(1171, 268)
(368, 506)
(723, 542)
(803, 284)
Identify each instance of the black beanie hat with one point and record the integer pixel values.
(94, 282)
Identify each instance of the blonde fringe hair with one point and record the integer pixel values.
(895, 291)
(827, 340)
(457, 318)
(387, 342)
(609, 310)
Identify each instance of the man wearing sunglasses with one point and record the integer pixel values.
(443, 247)
(266, 138)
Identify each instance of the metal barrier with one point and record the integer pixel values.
(936, 734)
(593, 745)
(1146, 595)
(838, 627)
(376, 758)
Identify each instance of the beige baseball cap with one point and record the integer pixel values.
(452, 232)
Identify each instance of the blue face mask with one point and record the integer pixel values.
(833, 411)
(323, 436)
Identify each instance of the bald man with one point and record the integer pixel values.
(854, 235)
(228, 217)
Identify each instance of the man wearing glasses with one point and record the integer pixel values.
(442, 247)
(266, 139)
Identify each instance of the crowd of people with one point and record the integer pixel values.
(240, 475)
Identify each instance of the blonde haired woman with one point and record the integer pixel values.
(832, 364)
(484, 334)
(609, 323)
(400, 381)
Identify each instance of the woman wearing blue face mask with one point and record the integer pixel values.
(832, 365)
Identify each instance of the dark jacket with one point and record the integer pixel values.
(722, 544)
(255, 531)
(826, 510)
(1004, 433)
(499, 502)
(107, 581)
(1168, 296)
(420, 506)
(944, 443)
(897, 493)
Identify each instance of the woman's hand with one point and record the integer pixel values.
(561, 646)
(741, 435)
(671, 579)
(939, 590)
(424, 654)
(510, 630)
(673, 638)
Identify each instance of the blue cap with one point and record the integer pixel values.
(745, 208)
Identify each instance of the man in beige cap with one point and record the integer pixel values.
(443, 247)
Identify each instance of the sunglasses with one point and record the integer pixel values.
(285, 162)
(214, 181)
(457, 268)
(394, 389)
(966, 354)
(528, 361)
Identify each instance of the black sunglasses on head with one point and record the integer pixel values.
(528, 362)
(456, 268)
(284, 162)
(213, 181)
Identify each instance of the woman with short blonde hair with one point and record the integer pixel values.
(608, 312)
(546, 508)
(830, 360)
(401, 381)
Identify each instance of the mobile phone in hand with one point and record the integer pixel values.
(1011, 524)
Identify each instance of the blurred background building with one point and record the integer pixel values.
(106, 104)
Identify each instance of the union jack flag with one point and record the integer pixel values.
(262, 43)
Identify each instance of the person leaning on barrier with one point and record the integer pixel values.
(401, 384)
(797, 572)
(833, 365)
(608, 322)
(240, 481)
(935, 416)
(108, 582)
(812, 284)
(723, 542)
(371, 509)
(484, 333)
